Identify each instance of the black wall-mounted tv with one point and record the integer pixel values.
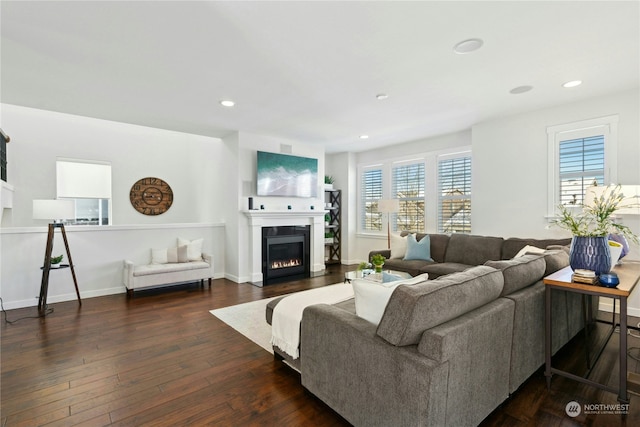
(286, 175)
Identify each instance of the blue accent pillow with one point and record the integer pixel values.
(388, 277)
(418, 250)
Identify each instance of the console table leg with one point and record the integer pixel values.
(547, 335)
(622, 393)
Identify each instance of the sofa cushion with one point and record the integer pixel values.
(194, 248)
(512, 245)
(439, 244)
(437, 269)
(411, 267)
(418, 250)
(170, 255)
(473, 250)
(519, 272)
(555, 260)
(398, 246)
(528, 250)
(371, 297)
(413, 309)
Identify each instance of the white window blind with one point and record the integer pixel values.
(454, 195)
(370, 193)
(581, 163)
(88, 183)
(408, 186)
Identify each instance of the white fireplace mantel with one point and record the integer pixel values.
(264, 218)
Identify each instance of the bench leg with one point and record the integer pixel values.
(129, 293)
(209, 282)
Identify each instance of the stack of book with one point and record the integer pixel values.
(584, 276)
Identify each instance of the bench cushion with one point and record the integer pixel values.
(145, 270)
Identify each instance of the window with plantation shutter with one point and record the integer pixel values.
(408, 187)
(454, 194)
(581, 163)
(580, 153)
(370, 193)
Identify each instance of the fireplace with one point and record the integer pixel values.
(285, 253)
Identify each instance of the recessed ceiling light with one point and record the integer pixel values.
(364, 136)
(572, 83)
(382, 96)
(468, 46)
(520, 89)
(227, 103)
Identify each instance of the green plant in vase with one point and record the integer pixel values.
(591, 226)
(55, 261)
(378, 261)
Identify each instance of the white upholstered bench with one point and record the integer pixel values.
(137, 277)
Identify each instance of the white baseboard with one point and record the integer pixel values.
(606, 304)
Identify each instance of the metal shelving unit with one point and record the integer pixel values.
(333, 226)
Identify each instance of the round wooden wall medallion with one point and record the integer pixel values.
(151, 196)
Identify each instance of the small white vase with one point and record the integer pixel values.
(615, 249)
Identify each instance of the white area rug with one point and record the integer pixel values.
(249, 319)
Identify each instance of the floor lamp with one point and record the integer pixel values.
(388, 206)
(54, 210)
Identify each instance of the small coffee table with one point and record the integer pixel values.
(369, 274)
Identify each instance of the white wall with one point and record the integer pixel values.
(359, 245)
(509, 170)
(343, 168)
(191, 164)
(510, 164)
(241, 179)
(97, 253)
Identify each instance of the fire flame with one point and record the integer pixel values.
(284, 264)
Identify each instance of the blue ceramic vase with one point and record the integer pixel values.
(590, 253)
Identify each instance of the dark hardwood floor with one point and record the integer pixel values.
(162, 359)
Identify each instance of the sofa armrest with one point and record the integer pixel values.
(207, 258)
(365, 379)
(384, 252)
(127, 273)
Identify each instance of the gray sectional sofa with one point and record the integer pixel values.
(457, 252)
(447, 351)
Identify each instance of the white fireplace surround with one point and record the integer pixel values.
(262, 218)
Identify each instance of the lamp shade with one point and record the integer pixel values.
(630, 204)
(388, 205)
(54, 209)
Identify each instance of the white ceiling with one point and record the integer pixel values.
(310, 71)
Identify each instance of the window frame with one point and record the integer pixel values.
(606, 126)
(105, 195)
(393, 218)
(440, 198)
(361, 199)
(430, 160)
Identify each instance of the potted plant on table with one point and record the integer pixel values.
(378, 261)
(591, 227)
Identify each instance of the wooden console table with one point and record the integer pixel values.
(629, 274)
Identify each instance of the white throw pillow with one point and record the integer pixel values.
(529, 250)
(398, 246)
(371, 298)
(159, 256)
(194, 248)
(179, 254)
